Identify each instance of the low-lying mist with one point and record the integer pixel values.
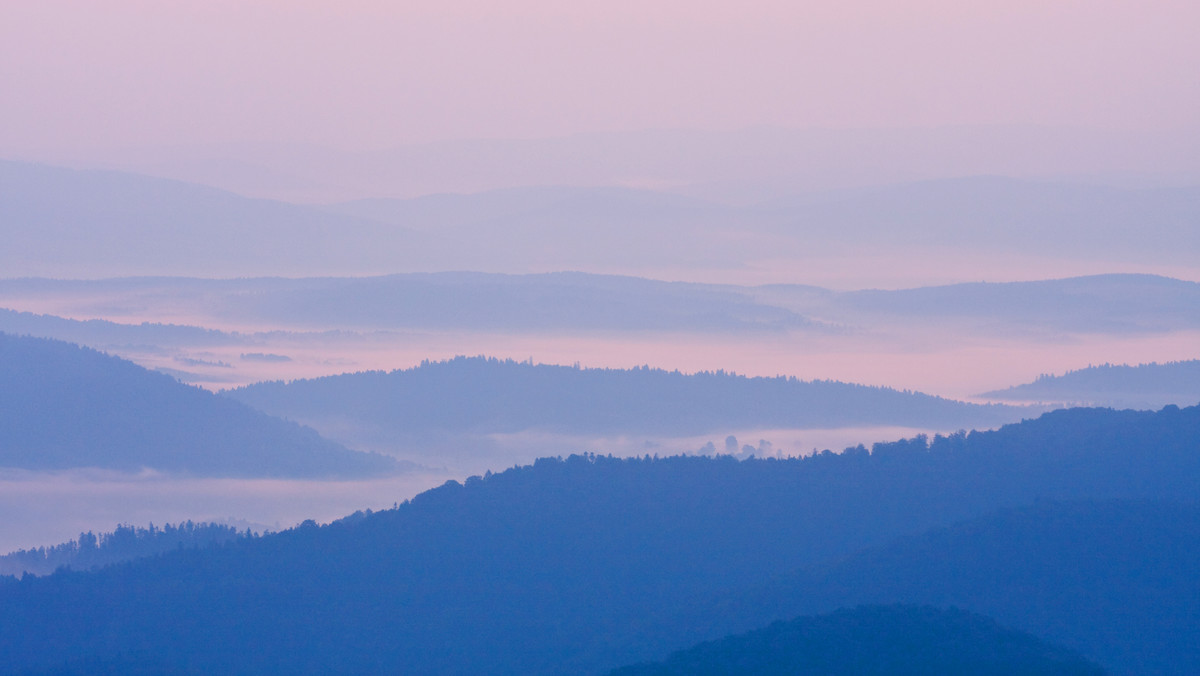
(45, 508)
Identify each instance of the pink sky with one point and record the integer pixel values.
(92, 75)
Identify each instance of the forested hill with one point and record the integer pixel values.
(100, 332)
(64, 406)
(875, 641)
(1116, 580)
(125, 543)
(489, 395)
(1119, 386)
(574, 566)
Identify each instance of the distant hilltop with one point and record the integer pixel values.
(64, 406)
(1116, 385)
(488, 395)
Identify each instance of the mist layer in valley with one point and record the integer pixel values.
(953, 341)
(474, 402)
(89, 440)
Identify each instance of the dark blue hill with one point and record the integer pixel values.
(875, 641)
(582, 565)
(1118, 581)
(125, 543)
(64, 406)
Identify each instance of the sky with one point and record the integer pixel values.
(93, 76)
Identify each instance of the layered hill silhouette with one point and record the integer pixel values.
(81, 223)
(576, 301)
(477, 394)
(125, 543)
(1114, 303)
(64, 406)
(1115, 385)
(875, 641)
(1115, 580)
(96, 332)
(590, 563)
(966, 213)
(449, 300)
(749, 165)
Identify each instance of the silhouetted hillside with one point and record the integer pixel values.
(1117, 581)
(875, 641)
(1119, 386)
(123, 544)
(616, 225)
(968, 213)
(446, 300)
(997, 213)
(477, 394)
(1118, 303)
(65, 406)
(464, 300)
(587, 564)
(73, 223)
(94, 332)
(89, 222)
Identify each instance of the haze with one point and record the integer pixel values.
(187, 88)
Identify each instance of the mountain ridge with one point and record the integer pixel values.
(583, 564)
(65, 406)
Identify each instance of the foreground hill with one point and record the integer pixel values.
(591, 563)
(489, 395)
(64, 406)
(1119, 386)
(875, 641)
(1117, 581)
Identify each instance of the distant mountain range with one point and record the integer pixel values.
(71, 222)
(976, 212)
(744, 166)
(100, 332)
(77, 223)
(573, 301)
(64, 406)
(481, 395)
(453, 300)
(1117, 303)
(1115, 385)
(1082, 532)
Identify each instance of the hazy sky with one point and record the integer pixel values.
(366, 74)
